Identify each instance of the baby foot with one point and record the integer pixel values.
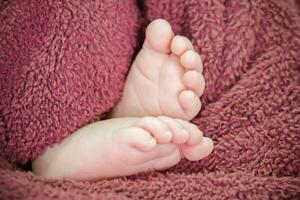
(165, 78)
(192, 144)
(189, 138)
(121, 147)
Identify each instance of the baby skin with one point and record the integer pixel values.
(168, 72)
(165, 77)
(121, 147)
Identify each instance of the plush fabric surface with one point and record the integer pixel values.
(63, 65)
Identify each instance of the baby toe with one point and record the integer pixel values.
(195, 135)
(194, 80)
(190, 104)
(180, 44)
(157, 129)
(199, 151)
(191, 61)
(159, 35)
(180, 134)
(137, 138)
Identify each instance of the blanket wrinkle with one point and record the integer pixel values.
(55, 84)
(63, 65)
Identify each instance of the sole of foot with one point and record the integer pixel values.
(165, 77)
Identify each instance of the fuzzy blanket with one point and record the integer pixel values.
(63, 65)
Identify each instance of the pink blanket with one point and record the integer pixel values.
(63, 65)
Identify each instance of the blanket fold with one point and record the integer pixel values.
(63, 64)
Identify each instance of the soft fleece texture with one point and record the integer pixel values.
(63, 65)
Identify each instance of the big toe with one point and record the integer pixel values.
(159, 35)
(198, 151)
